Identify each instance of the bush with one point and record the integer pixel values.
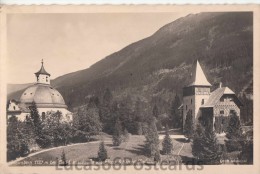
(233, 145)
(44, 141)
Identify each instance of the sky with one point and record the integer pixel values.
(72, 42)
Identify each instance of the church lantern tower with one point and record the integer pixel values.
(196, 93)
(43, 77)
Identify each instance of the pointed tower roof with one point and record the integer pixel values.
(42, 71)
(198, 77)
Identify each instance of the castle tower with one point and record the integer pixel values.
(196, 93)
(42, 76)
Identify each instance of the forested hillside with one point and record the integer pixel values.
(155, 69)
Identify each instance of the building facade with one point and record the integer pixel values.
(203, 104)
(46, 98)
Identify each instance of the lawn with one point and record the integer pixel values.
(133, 149)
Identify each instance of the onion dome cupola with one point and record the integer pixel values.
(42, 76)
(42, 93)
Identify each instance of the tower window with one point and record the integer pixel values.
(14, 107)
(46, 79)
(202, 102)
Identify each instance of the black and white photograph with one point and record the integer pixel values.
(142, 89)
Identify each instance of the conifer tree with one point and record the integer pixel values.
(152, 139)
(125, 135)
(233, 134)
(106, 111)
(246, 155)
(175, 115)
(167, 145)
(117, 134)
(155, 111)
(34, 113)
(205, 147)
(63, 158)
(189, 126)
(102, 152)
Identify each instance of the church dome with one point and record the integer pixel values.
(44, 96)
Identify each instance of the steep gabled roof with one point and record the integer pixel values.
(217, 94)
(42, 71)
(198, 77)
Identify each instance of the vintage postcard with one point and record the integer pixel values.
(145, 88)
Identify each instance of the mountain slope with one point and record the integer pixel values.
(158, 66)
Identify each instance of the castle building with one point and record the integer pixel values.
(46, 98)
(215, 107)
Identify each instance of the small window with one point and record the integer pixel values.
(186, 107)
(222, 99)
(221, 112)
(232, 112)
(191, 101)
(14, 107)
(202, 102)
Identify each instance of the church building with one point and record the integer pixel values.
(203, 104)
(46, 98)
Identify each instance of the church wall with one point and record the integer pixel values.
(188, 105)
(21, 117)
(67, 115)
(199, 102)
(194, 101)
